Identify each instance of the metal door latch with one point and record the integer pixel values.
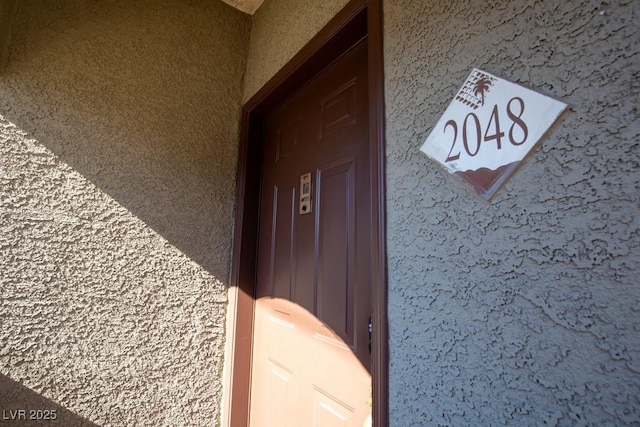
(370, 327)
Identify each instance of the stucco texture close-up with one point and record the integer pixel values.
(119, 124)
(280, 28)
(525, 310)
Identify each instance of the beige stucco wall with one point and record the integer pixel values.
(118, 140)
(280, 28)
(7, 12)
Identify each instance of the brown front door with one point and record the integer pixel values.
(311, 359)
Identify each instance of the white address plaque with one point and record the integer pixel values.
(488, 129)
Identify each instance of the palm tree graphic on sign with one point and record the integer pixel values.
(481, 86)
(473, 92)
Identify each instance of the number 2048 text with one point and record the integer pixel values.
(472, 136)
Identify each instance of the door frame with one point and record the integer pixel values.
(357, 20)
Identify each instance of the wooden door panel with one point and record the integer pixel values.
(279, 390)
(282, 238)
(288, 138)
(280, 337)
(310, 361)
(336, 260)
(338, 109)
(305, 265)
(329, 412)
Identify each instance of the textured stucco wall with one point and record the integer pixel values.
(118, 144)
(7, 12)
(525, 311)
(280, 28)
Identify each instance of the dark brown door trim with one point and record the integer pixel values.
(357, 20)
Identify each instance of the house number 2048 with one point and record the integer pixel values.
(518, 131)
